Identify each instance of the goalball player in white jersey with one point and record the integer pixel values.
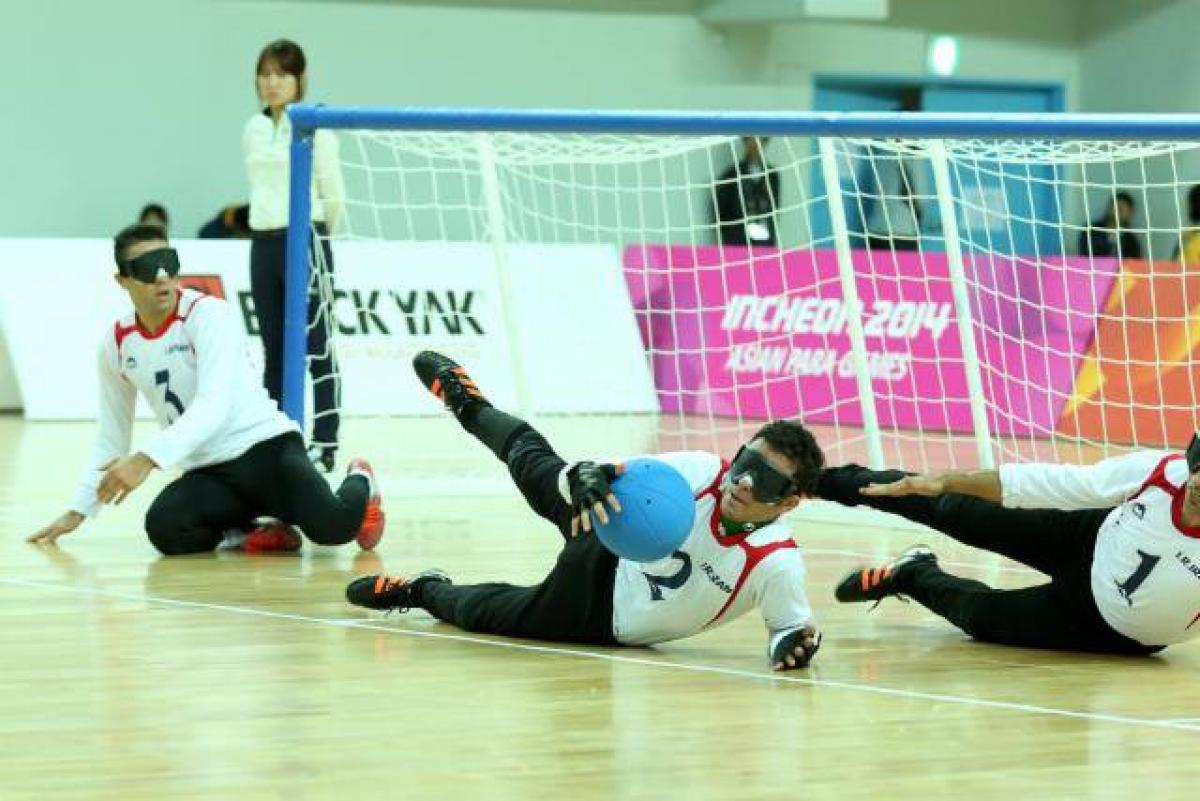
(1120, 540)
(738, 556)
(241, 458)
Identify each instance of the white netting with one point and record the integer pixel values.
(1072, 349)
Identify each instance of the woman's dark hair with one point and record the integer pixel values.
(131, 235)
(154, 208)
(290, 58)
(791, 439)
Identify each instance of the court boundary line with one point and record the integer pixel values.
(1179, 724)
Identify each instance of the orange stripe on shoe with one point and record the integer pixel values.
(866, 580)
(436, 387)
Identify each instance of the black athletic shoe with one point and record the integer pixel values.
(386, 593)
(323, 458)
(877, 583)
(448, 382)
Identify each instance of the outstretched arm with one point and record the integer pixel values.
(789, 618)
(980, 483)
(1038, 486)
(117, 398)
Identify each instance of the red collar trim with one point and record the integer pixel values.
(754, 553)
(1158, 478)
(166, 324)
(714, 518)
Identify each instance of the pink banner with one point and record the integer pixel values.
(764, 335)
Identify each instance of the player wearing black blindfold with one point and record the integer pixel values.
(1119, 539)
(241, 459)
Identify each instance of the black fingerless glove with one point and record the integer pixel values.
(588, 484)
(787, 647)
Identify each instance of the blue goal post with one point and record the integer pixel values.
(306, 119)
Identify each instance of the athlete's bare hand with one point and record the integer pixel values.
(122, 476)
(909, 485)
(63, 524)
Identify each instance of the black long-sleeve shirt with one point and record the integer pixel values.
(739, 222)
(1098, 240)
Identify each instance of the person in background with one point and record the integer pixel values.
(155, 214)
(231, 222)
(280, 78)
(1188, 247)
(746, 197)
(1110, 235)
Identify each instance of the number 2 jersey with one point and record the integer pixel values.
(712, 578)
(1146, 563)
(195, 375)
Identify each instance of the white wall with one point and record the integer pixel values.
(108, 105)
(1020, 40)
(1142, 57)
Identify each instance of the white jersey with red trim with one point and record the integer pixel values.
(1146, 565)
(195, 374)
(712, 578)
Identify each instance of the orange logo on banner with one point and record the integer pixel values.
(1140, 379)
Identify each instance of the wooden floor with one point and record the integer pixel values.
(127, 676)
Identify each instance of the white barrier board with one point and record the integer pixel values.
(578, 343)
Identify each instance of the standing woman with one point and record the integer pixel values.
(280, 79)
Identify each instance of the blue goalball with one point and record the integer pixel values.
(657, 512)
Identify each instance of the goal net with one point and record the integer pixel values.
(919, 302)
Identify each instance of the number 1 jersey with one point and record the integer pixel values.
(1146, 563)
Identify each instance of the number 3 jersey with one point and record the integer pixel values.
(712, 578)
(197, 379)
(1146, 563)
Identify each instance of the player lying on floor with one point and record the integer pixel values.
(1120, 541)
(241, 458)
(738, 554)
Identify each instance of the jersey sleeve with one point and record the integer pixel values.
(1106, 483)
(327, 170)
(220, 353)
(117, 399)
(783, 601)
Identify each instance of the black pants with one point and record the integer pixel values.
(268, 261)
(273, 479)
(575, 601)
(1061, 614)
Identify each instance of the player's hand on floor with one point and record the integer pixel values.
(122, 476)
(796, 650)
(588, 484)
(909, 485)
(63, 524)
